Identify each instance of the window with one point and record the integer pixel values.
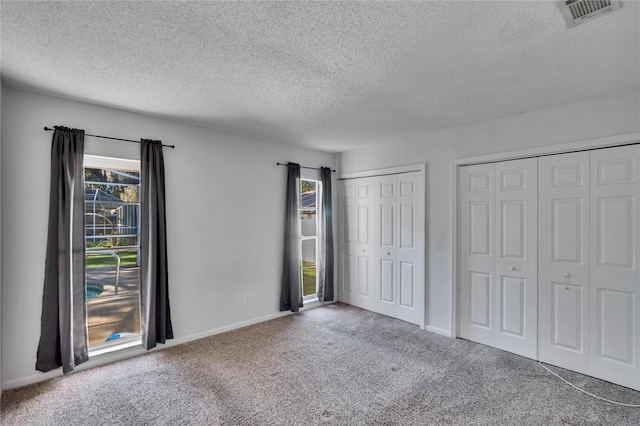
(309, 202)
(112, 217)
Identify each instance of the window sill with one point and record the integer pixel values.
(310, 299)
(108, 347)
(314, 303)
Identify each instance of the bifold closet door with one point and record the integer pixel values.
(477, 253)
(615, 259)
(356, 235)
(397, 254)
(498, 255)
(517, 256)
(385, 245)
(589, 259)
(563, 273)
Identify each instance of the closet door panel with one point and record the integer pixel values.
(347, 236)
(563, 258)
(387, 280)
(408, 297)
(385, 245)
(567, 331)
(364, 192)
(363, 279)
(477, 253)
(355, 233)
(615, 252)
(409, 254)
(480, 293)
(517, 256)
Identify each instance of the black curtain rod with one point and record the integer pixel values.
(303, 167)
(115, 139)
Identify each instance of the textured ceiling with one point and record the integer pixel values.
(329, 75)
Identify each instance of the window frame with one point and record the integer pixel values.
(121, 164)
(318, 184)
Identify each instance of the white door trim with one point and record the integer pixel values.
(604, 142)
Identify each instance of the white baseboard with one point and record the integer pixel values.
(438, 330)
(225, 328)
(108, 358)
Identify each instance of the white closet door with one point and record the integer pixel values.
(382, 245)
(563, 258)
(409, 254)
(355, 243)
(615, 259)
(516, 256)
(364, 293)
(347, 235)
(477, 253)
(397, 251)
(386, 245)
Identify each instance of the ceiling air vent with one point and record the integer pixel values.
(576, 12)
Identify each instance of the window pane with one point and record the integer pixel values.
(308, 193)
(308, 207)
(112, 258)
(111, 225)
(111, 177)
(308, 222)
(308, 267)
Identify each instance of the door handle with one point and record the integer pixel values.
(566, 276)
(388, 253)
(513, 268)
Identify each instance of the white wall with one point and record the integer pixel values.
(216, 185)
(607, 116)
(1, 93)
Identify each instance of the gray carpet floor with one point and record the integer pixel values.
(332, 365)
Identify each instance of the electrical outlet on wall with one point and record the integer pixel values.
(247, 298)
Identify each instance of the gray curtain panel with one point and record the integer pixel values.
(154, 278)
(291, 293)
(325, 243)
(63, 332)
